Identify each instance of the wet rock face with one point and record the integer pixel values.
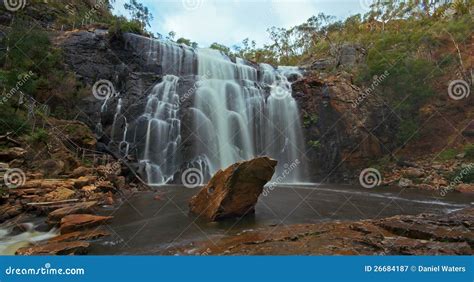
(343, 129)
(233, 192)
(126, 62)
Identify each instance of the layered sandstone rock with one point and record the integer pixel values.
(59, 248)
(77, 222)
(425, 234)
(84, 207)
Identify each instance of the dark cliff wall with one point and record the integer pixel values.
(342, 137)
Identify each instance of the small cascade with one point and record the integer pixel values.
(163, 131)
(10, 241)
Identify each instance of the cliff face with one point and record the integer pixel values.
(93, 56)
(342, 129)
(342, 134)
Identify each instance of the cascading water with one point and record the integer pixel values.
(238, 111)
(163, 131)
(235, 120)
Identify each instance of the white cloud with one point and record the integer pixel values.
(230, 21)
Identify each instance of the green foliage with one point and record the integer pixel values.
(12, 120)
(139, 13)
(122, 25)
(187, 42)
(309, 120)
(407, 131)
(465, 175)
(448, 154)
(315, 144)
(38, 136)
(224, 49)
(469, 151)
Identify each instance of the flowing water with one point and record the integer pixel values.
(157, 222)
(12, 239)
(238, 111)
(147, 225)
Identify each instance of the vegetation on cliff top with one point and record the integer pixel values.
(415, 42)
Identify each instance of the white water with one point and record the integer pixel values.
(9, 244)
(239, 111)
(163, 134)
(235, 120)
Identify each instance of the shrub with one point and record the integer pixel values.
(448, 154)
(12, 120)
(465, 175)
(122, 25)
(315, 144)
(39, 136)
(469, 151)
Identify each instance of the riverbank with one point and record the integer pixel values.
(424, 234)
(62, 204)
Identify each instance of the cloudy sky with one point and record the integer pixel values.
(230, 21)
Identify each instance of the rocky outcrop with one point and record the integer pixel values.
(443, 176)
(344, 126)
(86, 235)
(233, 192)
(77, 222)
(425, 234)
(80, 208)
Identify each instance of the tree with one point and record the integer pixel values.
(187, 42)
(171, 36)
(139, 12)
(224, 49)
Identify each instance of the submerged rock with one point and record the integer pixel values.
(233, 192)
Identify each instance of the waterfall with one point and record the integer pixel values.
(234, 119)
(236, 111)
(163, 131)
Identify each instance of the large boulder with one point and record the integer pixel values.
(233, 192)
